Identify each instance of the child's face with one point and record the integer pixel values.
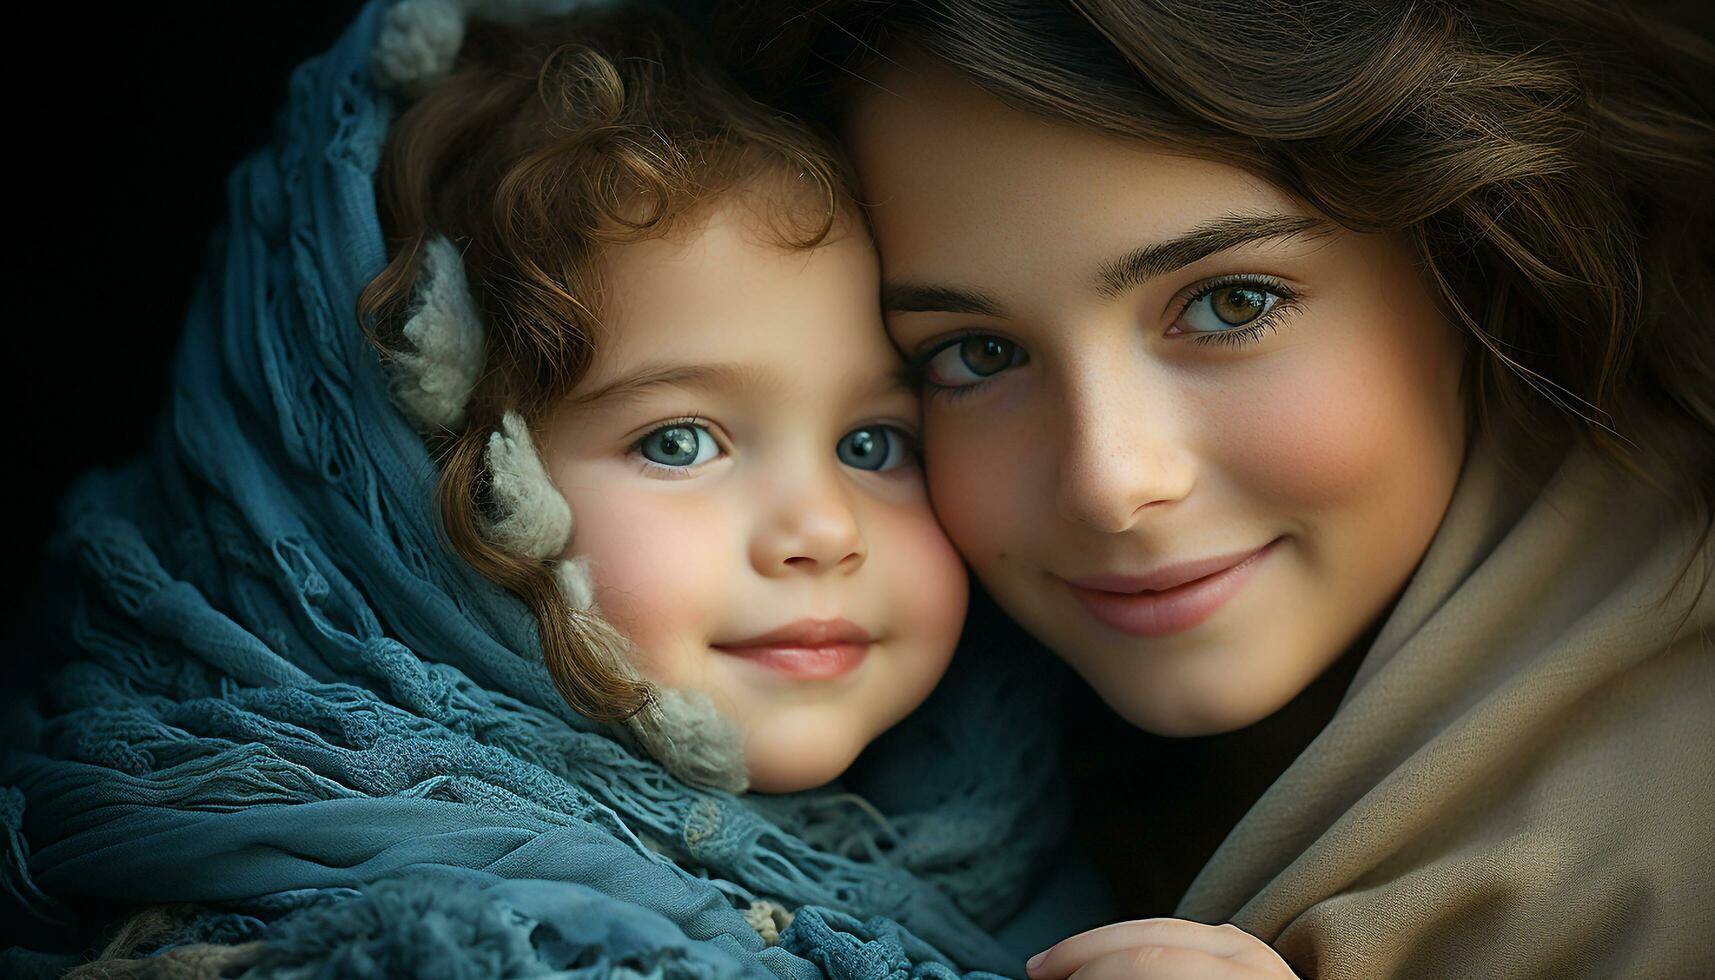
(737, 465)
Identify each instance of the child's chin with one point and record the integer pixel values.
(782, 763)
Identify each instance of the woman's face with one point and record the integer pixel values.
(1186, 431)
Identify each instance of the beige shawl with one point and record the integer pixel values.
(1521, 779)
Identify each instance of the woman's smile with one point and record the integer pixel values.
(1172, 599)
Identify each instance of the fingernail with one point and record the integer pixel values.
(1035, 961)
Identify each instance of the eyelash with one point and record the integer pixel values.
(646, 466)
(916, 370)
(1284, 306)
(913, 445)
(953, 393)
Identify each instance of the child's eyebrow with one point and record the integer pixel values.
(709, 377)
(721, 378)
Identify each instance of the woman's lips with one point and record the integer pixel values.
(1131, 605)
(808, 649)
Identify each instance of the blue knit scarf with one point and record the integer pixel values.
(276, 697)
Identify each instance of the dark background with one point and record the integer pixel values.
(125, 123)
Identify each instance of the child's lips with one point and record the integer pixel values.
(805, 663)
(809, 649)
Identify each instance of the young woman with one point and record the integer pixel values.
(1275, 347)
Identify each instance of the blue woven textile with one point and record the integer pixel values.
(275, 694)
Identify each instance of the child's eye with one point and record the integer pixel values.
(680, 445)
(874, 448)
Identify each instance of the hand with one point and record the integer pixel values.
(1161, 949)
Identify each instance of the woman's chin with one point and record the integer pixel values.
(1209, 716)
(1201, 701)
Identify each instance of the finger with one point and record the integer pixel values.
(1163, 963)
(1067, 955)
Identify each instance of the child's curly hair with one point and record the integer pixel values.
(548, 143)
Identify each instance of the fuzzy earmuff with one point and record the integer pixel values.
(420, 39)
(418, 42)
(683, 731)
(576, 585)
(433, 380)
(530, 517)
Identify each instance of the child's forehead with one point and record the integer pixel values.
(767, 210)
(722, 304)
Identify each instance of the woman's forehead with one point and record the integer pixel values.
(961, 187)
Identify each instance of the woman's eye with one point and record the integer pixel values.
(874, 448)
(679, 445)
(1228, 308)
(970, 360)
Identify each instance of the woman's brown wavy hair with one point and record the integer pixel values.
(549, 143)
(1551, 161)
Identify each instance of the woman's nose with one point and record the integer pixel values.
(1119, 458)
(810, 528)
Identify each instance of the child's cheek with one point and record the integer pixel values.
(658, 570)
(927, 576)
(924, 590)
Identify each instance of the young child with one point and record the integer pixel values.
(284, 724)
(618, 285)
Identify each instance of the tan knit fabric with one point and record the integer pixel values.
(1521, 780)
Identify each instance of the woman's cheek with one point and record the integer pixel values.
(978, 484)
(1297, 439)
(1350, 445)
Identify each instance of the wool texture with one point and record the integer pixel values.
(1520, 780)
(577, 583)
(531, 518)
(433, 380)
(418, 43)
(684, 731)
(419, 40)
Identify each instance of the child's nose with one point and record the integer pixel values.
(810, 534)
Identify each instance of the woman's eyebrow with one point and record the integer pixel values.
(910, 297)
(1156, 259)
(1137, 266)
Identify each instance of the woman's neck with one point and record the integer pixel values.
(1153, 809)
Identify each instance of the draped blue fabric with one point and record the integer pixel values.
(272, 692)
